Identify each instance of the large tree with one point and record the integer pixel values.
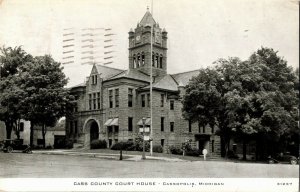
(11, 59)
(45, 99)
(246, 99)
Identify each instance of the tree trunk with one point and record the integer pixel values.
(121, 156)
(31, 134)
(44, 134)
(17, 123)
(244, 150)
(8, 126)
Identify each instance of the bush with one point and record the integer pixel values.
(98, 144)
(128, 146)
(49, 147)
(175, 150)
(157, 148)
(69, 144)
(139, 144)
(193, 152)
(232, 155)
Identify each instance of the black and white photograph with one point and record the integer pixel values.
(149, 95)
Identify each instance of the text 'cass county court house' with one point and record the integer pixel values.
(112, 102)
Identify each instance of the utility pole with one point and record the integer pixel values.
(151, 79)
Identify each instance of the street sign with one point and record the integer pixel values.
(147, 129)
(146, 137)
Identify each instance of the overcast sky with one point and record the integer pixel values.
(199, 31)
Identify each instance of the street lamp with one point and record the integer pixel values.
(144, 121)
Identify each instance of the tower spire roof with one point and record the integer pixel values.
(147, 19)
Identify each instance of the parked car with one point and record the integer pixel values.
(283, 158)
(9, 145)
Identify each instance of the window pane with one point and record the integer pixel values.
(130, 125)
(143, 100)
(162, 122)
(172, 104)
(148, 100)
(172, 126)
(162, 100)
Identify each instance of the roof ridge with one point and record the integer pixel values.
(111, 67)
(186, 72)
(174, 80)
(117, 74)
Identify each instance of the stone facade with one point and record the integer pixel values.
(112, 102)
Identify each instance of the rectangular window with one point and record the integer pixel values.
(162, 124)
(162, 142)
(153, 60)
(94, 101)
(130, 124)
(162, 100)
(117, 97)
(21, 126)
(98, 100)
(190, 126)
(90, 101)
(130, 97)
(172, 126)
(116, 129)
(212, 129)
(143, 100)
(160, 62)
(213, 146)
(199, 127)
(171, 104)
(148, 100)
(110, 98)
(75, 127)
(94, 79)
(203, 129)
(109, 129)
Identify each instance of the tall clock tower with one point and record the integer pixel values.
(140, 57)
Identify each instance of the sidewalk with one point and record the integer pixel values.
(110, 156)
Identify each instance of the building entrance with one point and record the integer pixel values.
(94, 131)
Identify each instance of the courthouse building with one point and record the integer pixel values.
(112, 102)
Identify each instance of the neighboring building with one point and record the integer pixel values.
(112, 102)
(53, 134)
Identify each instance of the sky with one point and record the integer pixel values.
(199, 31)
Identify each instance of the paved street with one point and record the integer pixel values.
(44, 166)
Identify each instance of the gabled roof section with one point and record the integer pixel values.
(131, 74)
(183, 79)
(147, 19)
(107, 72)
(78, 85)
(166, 83)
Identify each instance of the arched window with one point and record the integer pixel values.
(143, 58)
(138, 60)
(156, 60)
(160, 61)
(134, 61)
(153, 59)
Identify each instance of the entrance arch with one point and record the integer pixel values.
(94, 131)
(91, 130)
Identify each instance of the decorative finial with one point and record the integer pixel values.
(147, 8)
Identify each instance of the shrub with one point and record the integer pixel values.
(98, 144)
(69, 144)
(175, 150)
(193, 152)
(157, 148)
(49, 147)
(128, 146)
(139, 144)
